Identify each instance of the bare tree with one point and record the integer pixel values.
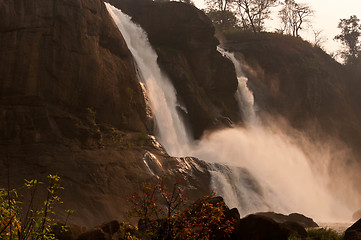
(318, 38)
(218, 5)
(254, 12)
(293, 16)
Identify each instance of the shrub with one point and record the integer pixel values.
(200, 220)
(323, 234)
(25, 222)
(320, 234)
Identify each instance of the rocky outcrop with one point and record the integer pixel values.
(304, 221)
(184, 39)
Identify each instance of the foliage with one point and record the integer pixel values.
(350, 38)
(200, 220)
(144, 202)
(223, 20)
(218, 5)
(251, 14)
(293, 16)
(324, 234)
(23, 223)
(90, 115)
(141, 139)
(116, 135)
(129, 232)
(320, 234)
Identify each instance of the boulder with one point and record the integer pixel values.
(258, 227)
(294, 229)
(111, 227)
(304, 221)
(94, 234)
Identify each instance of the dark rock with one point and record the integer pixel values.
(67, 232)
(306, 222)
(232, 214)
(353, 232)
(110, 227)
(94, 234)
(258, 227)
(294, 229)
(352, 235)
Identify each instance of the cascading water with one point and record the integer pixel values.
(253, 168)
(172, 133)
(243, 96)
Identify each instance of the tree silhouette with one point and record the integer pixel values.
(350, 38)
(293, 16)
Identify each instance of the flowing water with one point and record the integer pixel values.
(254, 168)
(170, 131)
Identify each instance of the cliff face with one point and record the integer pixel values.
(68, 53)
(184, 39)
(70, 104)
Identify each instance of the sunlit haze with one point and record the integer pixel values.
(326, 17)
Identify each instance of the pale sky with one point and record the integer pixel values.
(326, 17)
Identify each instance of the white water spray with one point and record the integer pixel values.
(172, 133)
(253, 168)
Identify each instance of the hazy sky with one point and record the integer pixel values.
(326, 18)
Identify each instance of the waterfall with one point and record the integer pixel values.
(254, 168)
(243, 95)
(170, 129)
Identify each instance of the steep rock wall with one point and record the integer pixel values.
(68, 53)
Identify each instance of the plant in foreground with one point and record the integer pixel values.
(200, 220)
(27, 222)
